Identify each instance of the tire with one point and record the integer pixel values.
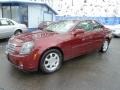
(105, 46)
(17, 32)
(51, 61)
(115, 36)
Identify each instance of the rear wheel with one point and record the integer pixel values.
(51, 61)
(105, 46)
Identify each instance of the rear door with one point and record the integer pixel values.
(98, 35)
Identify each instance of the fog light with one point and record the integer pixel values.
(20, 65)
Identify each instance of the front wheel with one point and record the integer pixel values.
(105, 46)
(17, 32)
(51, 61)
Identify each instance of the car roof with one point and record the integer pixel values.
(5, 19)
(8, 19)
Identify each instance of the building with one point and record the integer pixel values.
(97, 8)
(105, 11)
(30, 13)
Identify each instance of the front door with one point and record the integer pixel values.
(83, 42)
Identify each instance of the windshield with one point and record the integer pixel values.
(60, 27)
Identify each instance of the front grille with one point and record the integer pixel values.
(10, 48)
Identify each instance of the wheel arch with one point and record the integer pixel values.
(18, 30)
(107, 38)
(54, 47)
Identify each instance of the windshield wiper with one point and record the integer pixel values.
(49, 30)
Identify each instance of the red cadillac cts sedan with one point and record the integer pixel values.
(46, 49)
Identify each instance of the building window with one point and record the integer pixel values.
(48, 16)
(15, 13)
(6, 12)
(24, 14)
(11, 12)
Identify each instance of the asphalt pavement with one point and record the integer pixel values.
(95, 71)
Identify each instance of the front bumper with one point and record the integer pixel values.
(25, 62)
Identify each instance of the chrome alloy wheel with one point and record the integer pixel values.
(105, 45)
(52, 61)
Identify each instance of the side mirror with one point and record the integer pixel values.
(77, 32)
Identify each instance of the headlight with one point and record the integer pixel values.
(26, 48)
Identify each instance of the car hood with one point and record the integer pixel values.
(41, 38)
(33, 36)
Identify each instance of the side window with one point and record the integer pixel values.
(96, 25)
(10, 22)
(86, 25)
(3, 23)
